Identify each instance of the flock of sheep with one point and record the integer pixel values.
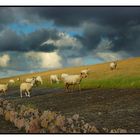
(68, 80)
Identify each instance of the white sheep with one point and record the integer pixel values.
(86, 71)
(113, 65)
(3, 88)
(11, 81)
(39, 80)
(18, 79)
(26, 88)
(54, 78)
(63, 75)
(29, 80)
(73, 80)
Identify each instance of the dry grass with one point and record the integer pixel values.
(127, 74)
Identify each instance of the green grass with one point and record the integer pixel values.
(106, 82)
(115, 82)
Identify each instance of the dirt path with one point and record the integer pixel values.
(110, 108)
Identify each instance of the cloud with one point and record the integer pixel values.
(4, 60)
(44, 60)
(7, 15)
(75, 61)
(104, 45)
(119, 24)
(104, 52)
(64, 40)
(71, 16)
(111, 56)
(11, 41)
(75, 16)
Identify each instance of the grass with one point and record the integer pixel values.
(115, 82)
(105, 82)
(127, 75)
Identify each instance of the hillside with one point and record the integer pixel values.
(127, 75)
(109, 98)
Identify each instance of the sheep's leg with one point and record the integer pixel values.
(65, 87)
(28, 93)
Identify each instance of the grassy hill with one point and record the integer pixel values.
(127, 75)
(109, 99)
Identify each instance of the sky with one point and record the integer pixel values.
(34, 39)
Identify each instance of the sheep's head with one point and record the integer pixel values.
(83, 75)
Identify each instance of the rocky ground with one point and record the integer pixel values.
(109, 108)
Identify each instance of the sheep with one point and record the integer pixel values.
(3, 88)
(63, 75)
(73, 80)
(85, 71)
(54, 78)
(18, 79)
(11, 81)
(113, 65)
(29, 80)
(26, 88)
(39, 80)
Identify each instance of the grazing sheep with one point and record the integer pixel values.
(54, 78)
(113, 65)
(86, 71)
(39, 80)
(63, 75)
(73, 80)
(29, 80)
(11, 81)
(18, 79)
(3, 88)
(26, 88)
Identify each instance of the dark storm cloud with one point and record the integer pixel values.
(74, 16)
(35, 39)
(114, 23)
(118, 24)
(93, 33)
(11, 41)
(6, 15)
